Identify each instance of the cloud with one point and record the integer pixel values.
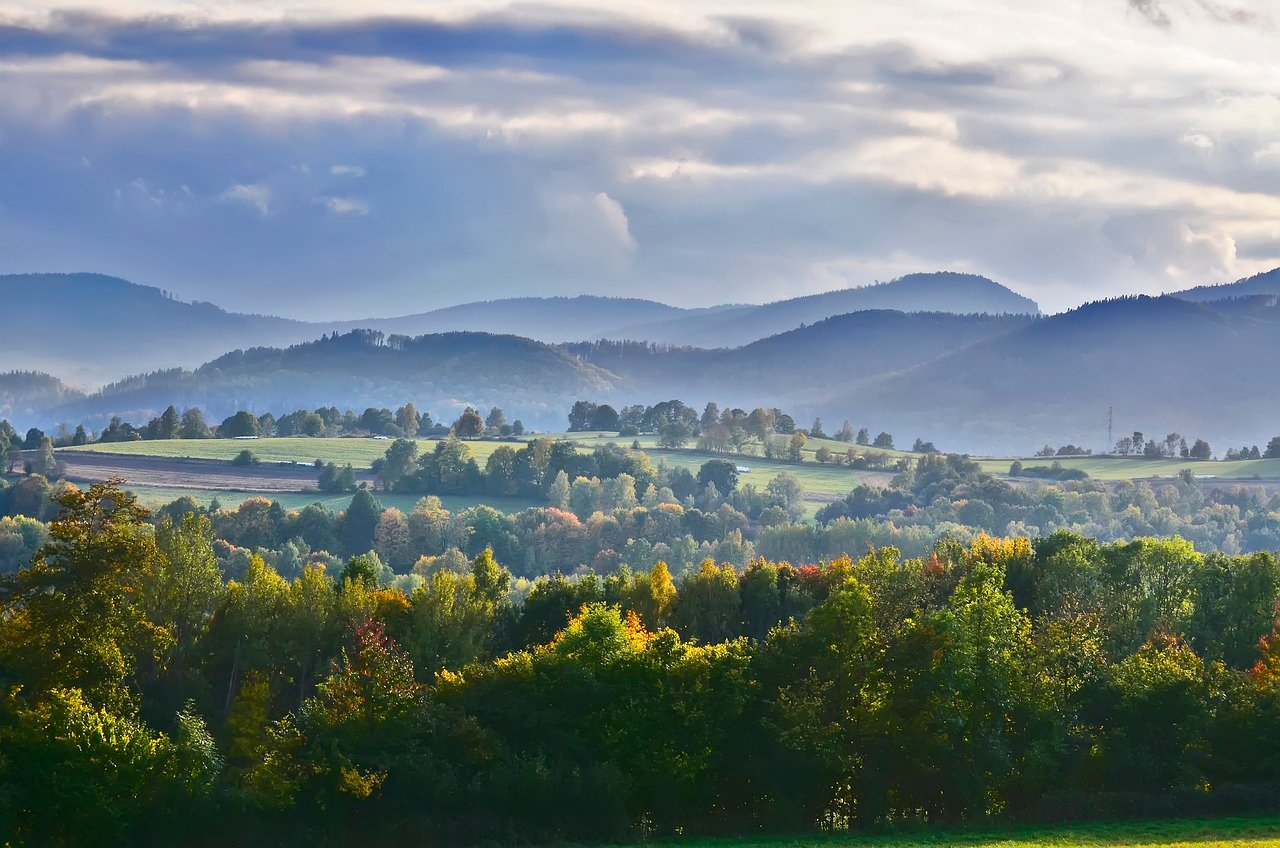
(346, 206)
(1071, 152)
(257, 196)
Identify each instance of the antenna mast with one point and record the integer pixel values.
(1110, 421)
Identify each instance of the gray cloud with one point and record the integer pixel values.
(339, 166)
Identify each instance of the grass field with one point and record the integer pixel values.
(156, 496)
(1188, 833)
(1123, 468)
(816, 478)
(358, 452)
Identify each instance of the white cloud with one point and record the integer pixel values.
(345, 206)
(346, 171)
(256, 196)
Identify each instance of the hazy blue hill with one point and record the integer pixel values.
(440, 373)
(1266, 283)
(547, 319)
(92, 327)
(24, 394)
(799, 364)
(942, 291)
(1163, 363)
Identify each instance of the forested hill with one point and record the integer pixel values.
(801, 365)
(1201, 369)
(25, 394)
(442, 373)
(960, 294)
(1266, 283)
(91, 327)
(547, 319)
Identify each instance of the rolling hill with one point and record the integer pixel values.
(25, 394)
(961, 294)
(800, 366)
(1266, 283)
(89, 328)
(440, 373)
(546, 319)
(1163, 364)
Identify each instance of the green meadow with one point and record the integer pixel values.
(1261, 832)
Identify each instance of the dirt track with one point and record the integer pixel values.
(92, 467)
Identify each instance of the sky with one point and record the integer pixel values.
(329, 160)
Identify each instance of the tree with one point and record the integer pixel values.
(845, 433)
(243, 423)
(408, 420)
(815, 430)
(77, 617)
(517, 427)
(884, 440)
(193, 425)
(606, 419)
(45, 462)
(356, 525)
(864, 437)
(80, 438)
(581, 416)
(795, 447)
(495, 420)
(1201, 450)
(1273, 449)
(720, 473)
(469, 425)
(169, 423)
(398, 463)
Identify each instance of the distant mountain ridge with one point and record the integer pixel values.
(1158, 362)
(1266, 283)
(942, 291)
(440, 373)
(92, 329)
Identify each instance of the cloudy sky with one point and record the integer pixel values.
(324, 159)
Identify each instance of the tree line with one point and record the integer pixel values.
(145, 699)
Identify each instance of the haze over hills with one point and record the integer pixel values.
(1266, 283)
(941, 291)
(440, 373)
(1164, 364)
(545, 319)
(90, 329)
(801, 365)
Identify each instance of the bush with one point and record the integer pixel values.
(246, 458)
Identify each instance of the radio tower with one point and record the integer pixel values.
(1110, 421)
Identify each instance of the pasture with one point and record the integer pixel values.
(359, 452)
(1133, 468)
(153, 497)
(1243, 832)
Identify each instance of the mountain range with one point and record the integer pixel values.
(987, 381)
(90, 329)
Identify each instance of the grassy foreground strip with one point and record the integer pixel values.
(1256, 832)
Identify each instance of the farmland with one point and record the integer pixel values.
(153, 497)
(1134, 468)
(1200, 833)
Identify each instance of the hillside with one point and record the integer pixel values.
(89, 328)
(546, 319)
(799, 366)
(24, 394)
(942, 291)
(1163, 364)
(440, 373)
(1266, 283)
